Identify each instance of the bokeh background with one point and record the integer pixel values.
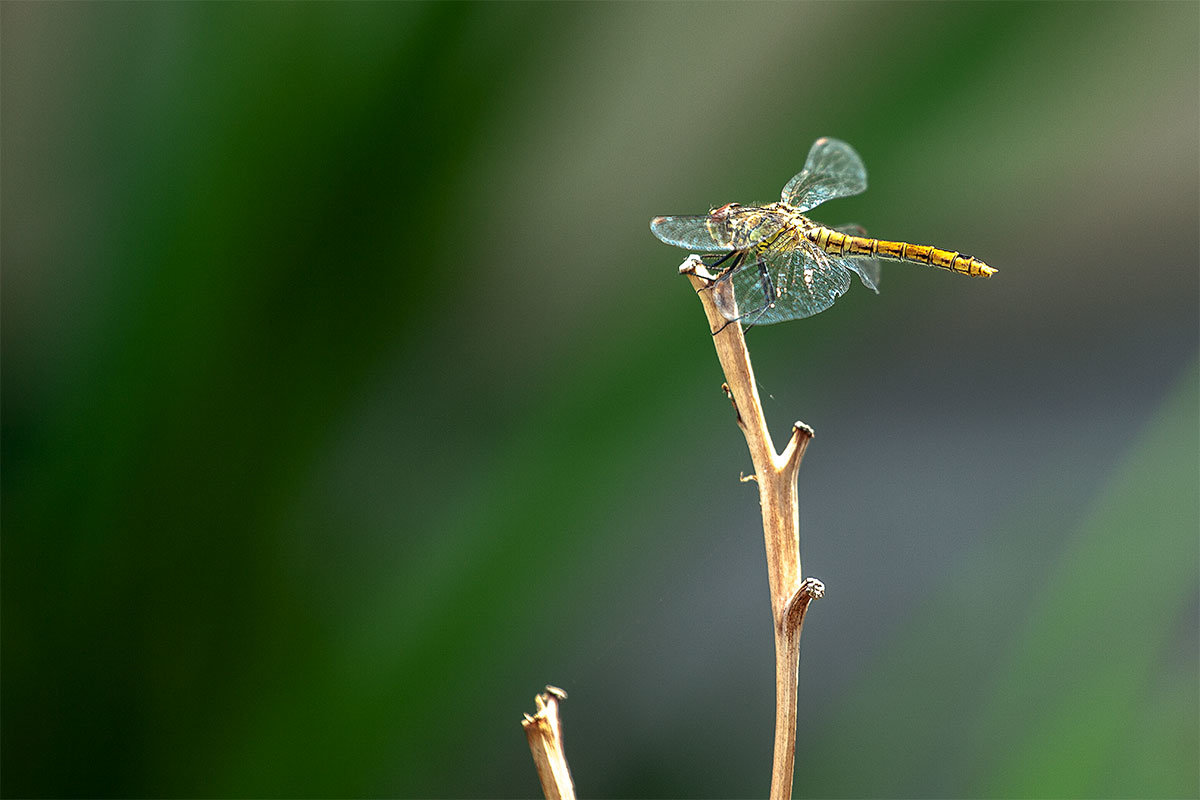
(348, 400)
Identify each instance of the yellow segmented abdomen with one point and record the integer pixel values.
(839, 244)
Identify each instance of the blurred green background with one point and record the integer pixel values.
(348, 400)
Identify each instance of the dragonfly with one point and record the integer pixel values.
(776, 264)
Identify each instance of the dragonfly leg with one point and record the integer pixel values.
(722, 259)
(728, 322)
(738, 256)
(768, 285)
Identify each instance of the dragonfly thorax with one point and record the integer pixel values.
(775, 226)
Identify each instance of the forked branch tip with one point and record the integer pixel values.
(794, 452)
(693, 265)
(797, 605)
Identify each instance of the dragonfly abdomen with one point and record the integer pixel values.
(844, 244)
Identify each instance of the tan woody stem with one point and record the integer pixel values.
(776, 478)
(543, 729)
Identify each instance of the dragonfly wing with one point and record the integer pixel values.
(833, 170)
(803, 280)
(727, 228)
(867, 269)
(702, 233)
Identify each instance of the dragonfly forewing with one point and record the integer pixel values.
(727, 228)
(698, 232)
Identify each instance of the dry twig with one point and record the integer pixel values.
(544, 731)
(776, 478)
(775, 475)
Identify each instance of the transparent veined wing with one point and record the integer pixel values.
(867, 269)
(832, 170)
(697, 232)
(786, 284)
(727, 228)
